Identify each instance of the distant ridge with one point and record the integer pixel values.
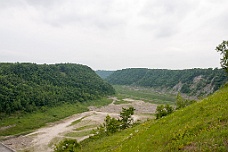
(194, 82)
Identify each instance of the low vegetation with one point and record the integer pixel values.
(22, 123)
(201, 126)
(112, 125)
(85, 127)
(162, 111)
(145, 94)
(109, 127)
(181, 102)
(67, 145)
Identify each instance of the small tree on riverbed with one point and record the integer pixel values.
(126, 119)
(112, 125)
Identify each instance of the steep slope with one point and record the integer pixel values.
(194, 82)
(26, 86)
(202, 126)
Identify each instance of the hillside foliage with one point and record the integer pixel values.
(201, 126)
(27, 86)
(195, 82)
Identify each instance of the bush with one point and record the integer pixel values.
(162, 111)
(67, 145)
(112, 125)
(181, 102)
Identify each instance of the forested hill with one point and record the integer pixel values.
(195, 82)
(27, 86)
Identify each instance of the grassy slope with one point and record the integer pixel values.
(202, 126)
(24, 123)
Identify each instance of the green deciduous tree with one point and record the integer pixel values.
(223, 49)
(126, 119)
(112, 125)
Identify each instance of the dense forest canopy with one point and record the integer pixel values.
(189, 81)
(27, 86)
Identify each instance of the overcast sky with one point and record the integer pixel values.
(114, 34)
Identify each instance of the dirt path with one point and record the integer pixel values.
(44, 138)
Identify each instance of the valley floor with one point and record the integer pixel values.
(79, 126)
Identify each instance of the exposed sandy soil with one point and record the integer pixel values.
(44, 138)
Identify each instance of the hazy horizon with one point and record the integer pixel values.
(115, 34)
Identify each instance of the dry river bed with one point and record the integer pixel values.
(78, 126)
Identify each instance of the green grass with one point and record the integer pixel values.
(146, 94)
(76, 121)
(85, 127)
(26, 122)
(202, 126)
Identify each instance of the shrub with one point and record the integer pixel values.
(181, 102)
(163, 111)
(66, 146)
(112, 125)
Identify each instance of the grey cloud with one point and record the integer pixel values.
(119, 33)
(166, 31)
(221, 20)
(43, 3)
(163, 8)
(165, 17)
(6, 4)
(87, 13)
(86, 20)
